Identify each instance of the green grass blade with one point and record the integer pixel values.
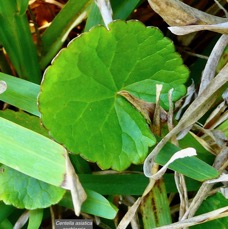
(115, 184)
(20, 93)
(155, 207)
(22, 6)
(24, 119)
(129, 184)
(121, 10)
(94, 17)
(31, 153)
(15, 36)
(4, 65)
(56, 34)
(35, 219)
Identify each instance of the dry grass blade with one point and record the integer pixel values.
(105, 10)
(214, 119)
(179, 178)
(177, 13)
(219, 213)
(22, 220)
(222, 178)
(183, 30)
(210, 68)
(145, 108)
(129, 215)
(73, 184)
(189, 96)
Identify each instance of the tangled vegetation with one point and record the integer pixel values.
(113, 111)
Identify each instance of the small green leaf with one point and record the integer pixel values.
(79, 98)
(22, 191)
(95, 204)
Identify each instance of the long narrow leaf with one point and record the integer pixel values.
(155, 207)
(128, 184)
(20, 93)
(191, 167)
(56, 34)
(31, 153)
(16, 38)
(35, 219)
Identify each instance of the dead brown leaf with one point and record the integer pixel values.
(177, 13)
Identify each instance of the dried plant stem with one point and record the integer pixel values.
(177, 13)
(219, 213)
(197, 201)
(179, 178)
(52, 217)
(182, 190)
(221, 161)
(210, 68)
(22, 220)
(221, 7)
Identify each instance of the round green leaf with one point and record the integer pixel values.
(22, 191)
(79, 100)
